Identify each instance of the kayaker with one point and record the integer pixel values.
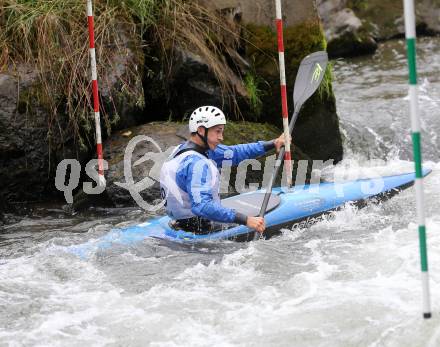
(190, 176)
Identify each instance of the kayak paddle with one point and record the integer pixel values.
(310, 74)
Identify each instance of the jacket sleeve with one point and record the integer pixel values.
(198, 187)
(238, 153)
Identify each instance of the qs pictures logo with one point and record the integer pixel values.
(69, 171)
(135, 188)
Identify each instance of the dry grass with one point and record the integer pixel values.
(52, 36)
(190, 26)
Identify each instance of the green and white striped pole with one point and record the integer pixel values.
(410, 33)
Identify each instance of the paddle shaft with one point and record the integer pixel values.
(277, 167)
(310, 74)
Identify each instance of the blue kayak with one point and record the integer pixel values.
(286, 208)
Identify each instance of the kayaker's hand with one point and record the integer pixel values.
(279, 142)
(256, 223)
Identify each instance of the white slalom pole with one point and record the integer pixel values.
(95, 92)
(285, 111)
(410, 32)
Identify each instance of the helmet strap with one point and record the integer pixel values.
(204, 137)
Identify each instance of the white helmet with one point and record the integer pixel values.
(206, 116)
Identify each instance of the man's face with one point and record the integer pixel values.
(215, 135)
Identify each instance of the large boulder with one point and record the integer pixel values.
(120, 85)
(188, 84)
(28, 152)
(35, 137)
(317, 128)
(429, 14)
(346, 35)
(353, 27)
(262, 12)
(156, 141)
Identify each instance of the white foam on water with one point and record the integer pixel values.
(352, 280)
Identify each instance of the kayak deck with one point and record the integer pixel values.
(286, 208)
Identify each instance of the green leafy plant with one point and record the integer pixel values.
(252, 84)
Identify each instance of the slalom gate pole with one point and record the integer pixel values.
(95, 91)
(410, 33)
(285, 111)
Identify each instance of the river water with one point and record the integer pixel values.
(350, 281)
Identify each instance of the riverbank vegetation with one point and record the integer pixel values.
(51, 38)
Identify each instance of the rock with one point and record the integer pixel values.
(429, 14)
(318, 117)
(28, 152)
(319, 122)
(340, 21)
(192, 81)
(262, 12)
(171, 93)
(34, 139)
(384, 20)
(327, 8)
(344, 31)
(157, 139)
(120, 87)
(350, 44)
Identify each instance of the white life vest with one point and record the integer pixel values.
(178, 203)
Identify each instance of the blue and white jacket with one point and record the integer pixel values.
(190, 179)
